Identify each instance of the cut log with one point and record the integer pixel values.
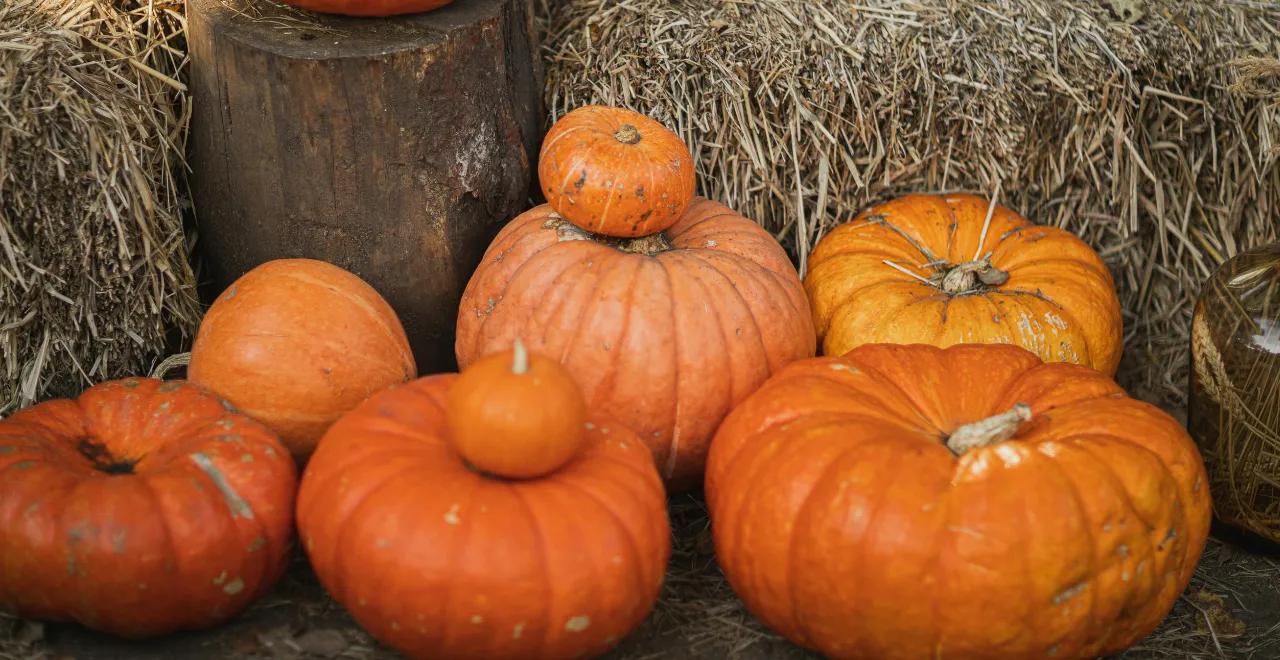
(394, 148)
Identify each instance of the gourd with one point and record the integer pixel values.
(664, 333)
(955, 269)
(295, 343)
(906, 501)
(141, 508)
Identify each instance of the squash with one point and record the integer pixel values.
(141, 508)
(955, 269)
(615, 172)
(296, 343)
(516, 415)
(664, 333)
(968, 502)
(440, 560)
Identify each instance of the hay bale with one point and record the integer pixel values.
(94, 275)
(1149, 128)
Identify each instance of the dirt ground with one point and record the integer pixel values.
(1231, 610)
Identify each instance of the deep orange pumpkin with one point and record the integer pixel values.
(615, 172)
(1066, 527)
(516, 415)
(140, 509)
(369, 7)
(295, 343)
(664, 333)
(440, 561)
(932, 269)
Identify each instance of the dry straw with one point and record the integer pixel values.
(94, 274)
(1149, 128)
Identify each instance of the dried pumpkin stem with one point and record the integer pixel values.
(519, 358)
(970, 275)
(627, 134)
(989, 431)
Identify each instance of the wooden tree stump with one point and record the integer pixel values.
(394, 147)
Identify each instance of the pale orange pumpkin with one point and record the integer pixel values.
(517, 415)
(615, 172)
(440, 560)
(664, 333)
(295, 343)
(935, 269)
(969, 502)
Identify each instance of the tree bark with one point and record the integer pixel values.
(394, 148)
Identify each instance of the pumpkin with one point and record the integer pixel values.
(296, 343)
(954, 269)
(141, 508)
(440, 560)
(369, 7)
(516, 415)
(969, 502)
(664, 333)
(615, 172)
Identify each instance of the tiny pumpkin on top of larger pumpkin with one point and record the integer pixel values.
(615, 172)
(957, 268)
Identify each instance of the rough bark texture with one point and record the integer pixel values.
(394, 148)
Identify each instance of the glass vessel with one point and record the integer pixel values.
(1234, 399)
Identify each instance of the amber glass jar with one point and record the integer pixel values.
(1234, 409)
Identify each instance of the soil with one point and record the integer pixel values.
(1231, 610)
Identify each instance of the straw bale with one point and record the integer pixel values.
(94, 275)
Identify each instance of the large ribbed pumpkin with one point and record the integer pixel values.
(970, 502)
(441, 561)
(296, 343)
(140, 509)
(664, 333)
(954, 269)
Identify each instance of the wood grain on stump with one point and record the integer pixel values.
(394, 147)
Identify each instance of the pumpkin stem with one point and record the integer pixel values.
(519, 358)
(969, 275)
(627, 134)
(989, 431)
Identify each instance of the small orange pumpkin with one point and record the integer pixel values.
(615, 172)
(969, 502)
(295, 343)
(517, 415)
(140, 509)
(935, 269)
(439, 560)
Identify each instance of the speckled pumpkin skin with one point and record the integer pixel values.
(140, 509)
(845, 523)
(439, 561)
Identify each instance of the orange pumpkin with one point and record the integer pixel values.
(934, 269)
(970, 502)
(664, 333)
(369, 7)
(295, 343)
(615, 172)
(140, 509)
(516, 415)
(438, 560)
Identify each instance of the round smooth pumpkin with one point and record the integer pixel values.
(141, 508)
(968, 502)
(663, 333)
(369, 7)
(296, 343)
(516, 415)
(615, 172)
(933, 269)
(439, 560)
